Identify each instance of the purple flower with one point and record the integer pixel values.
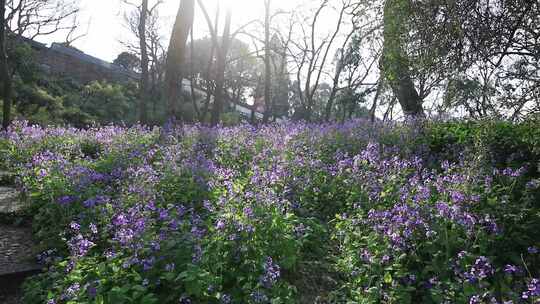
(480, 270)
(457, 197)
(93, 228)
(75, 226)
(91, 291)
(409, 279)
(248, 211)
(70, 266)
(95, 201)
(514, 173)
(169, 267)
(490, 225)
(163, 215)
(533, 289)
(533, 184)
(97, 177)
(46, 257)
(124, 236)
(271, 273)
(475, 300)
(208, 206)
(197, 254)
(110, 254)
(259, 297)
(66, 200)
(71, 291)
(43, 173)
(184, 300)
(120, 220)
(366, 256)
(510, 269)
(423, 193)
(220, 225)
(148, 263)
(225, 299)
(155, 246)
(198, 232)
(432, 282)
(533, 250)
(79, 246)
(300, 230)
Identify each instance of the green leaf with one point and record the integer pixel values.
(149, 299)
(388, 278)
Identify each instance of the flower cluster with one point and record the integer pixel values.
(271, 273)
(192, 214)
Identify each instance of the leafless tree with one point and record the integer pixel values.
(144, 23)
(356, 61)
(34, 18)
(207, 79)
(73, 33)
(221, 66)
(222, 49)
(267, 69)
(176, 54)
(311, 53)
(145, 79)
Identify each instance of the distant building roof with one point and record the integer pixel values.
(80, 55)
(58, 47)
(32, 43)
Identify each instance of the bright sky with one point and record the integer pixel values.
(103, 21)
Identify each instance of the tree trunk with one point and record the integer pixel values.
(252, 119)
(395, 60)
(268, 104)
(5, 77)
(144, 82)
(208, 89)
(176, 54)
(376, 99)
(192, 78)
(335, 84)
(223, 49)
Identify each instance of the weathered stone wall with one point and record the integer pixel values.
(79, 66)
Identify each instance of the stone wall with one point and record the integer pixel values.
(59, 60)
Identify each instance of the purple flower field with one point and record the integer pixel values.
(290, 213)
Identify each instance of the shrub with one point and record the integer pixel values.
(251, 215)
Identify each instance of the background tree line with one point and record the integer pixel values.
(329, 60)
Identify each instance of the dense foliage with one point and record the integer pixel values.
(44, 99)
(292, 213)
